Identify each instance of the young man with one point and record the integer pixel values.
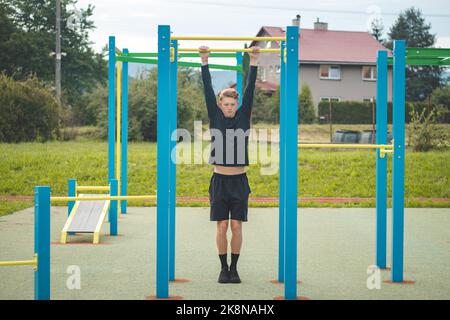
(229, 188)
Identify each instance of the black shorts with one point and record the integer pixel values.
(229, 194)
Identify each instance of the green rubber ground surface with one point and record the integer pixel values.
(336, 246)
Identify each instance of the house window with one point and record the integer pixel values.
(369, 73)
(263, 74)
(330, 72)
(277, 69)
(327, 99)
(268, 44)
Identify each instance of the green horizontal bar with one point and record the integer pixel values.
(211, 66)
(428, 52)
(424, 61)
(212, 55)
(181, 54)
(141, 54)
(136, 60)
(180, 63)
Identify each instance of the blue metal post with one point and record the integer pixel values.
(42, 242)
(290, 273)
(124, 135)
(111, 107)
(239, 77)
(381, 173)
(173, 165)
(282, 164)
(163, 163)
(398, 163)
(72, 192)
(113, 188)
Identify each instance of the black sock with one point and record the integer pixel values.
(223, 260)
(234, 260)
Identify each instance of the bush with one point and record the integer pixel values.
(356, 112)
(347, 112)
(28, 111)
(424, 133)
(306, 112)
(266, 106)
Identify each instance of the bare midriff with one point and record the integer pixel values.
(229, 171)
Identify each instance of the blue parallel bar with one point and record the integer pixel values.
(173, 165)
(290, 273)
(282, 173)
(42, 242)
(72, 192)
(239, 77)
(113, 187)
(163, 163)
(124, 135)
(381, 163)
(398, 163)
(111, 107)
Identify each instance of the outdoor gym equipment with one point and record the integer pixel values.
(166, 170)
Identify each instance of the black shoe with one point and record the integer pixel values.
(234, 277)
(224, 276)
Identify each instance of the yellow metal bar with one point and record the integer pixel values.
(64, 232)
(97, 188)
(226, 50)
(96, 238)
(345, 146)
(63, 199)
(33, 262)
(118, 125)
(228, 38)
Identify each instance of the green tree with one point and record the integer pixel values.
(411, 26)
(142, 104)
(29, 40)
(440, 99)
(306, 112)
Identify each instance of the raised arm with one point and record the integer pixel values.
(247, 99)
(210, 97)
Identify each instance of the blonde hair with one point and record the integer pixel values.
(228, 93)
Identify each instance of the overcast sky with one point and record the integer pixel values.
(135, 22)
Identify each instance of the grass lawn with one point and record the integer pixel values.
(322, 173)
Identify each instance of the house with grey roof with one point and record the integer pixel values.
(336, 65)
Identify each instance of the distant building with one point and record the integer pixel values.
(337, 65)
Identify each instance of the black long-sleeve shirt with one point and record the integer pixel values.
(229, 136)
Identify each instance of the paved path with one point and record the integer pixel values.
(336, 246)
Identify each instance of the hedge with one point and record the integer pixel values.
(28, 111)
(356, 112)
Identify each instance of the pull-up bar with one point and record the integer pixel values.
(227, 50)
(123, 58)
(180, 55)
(104, 198)
(345, 146)
(228, 38)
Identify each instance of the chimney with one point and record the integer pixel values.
(320, 25)
(296, 21)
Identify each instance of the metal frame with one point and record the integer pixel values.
(41, 258)
(167, 50)
(288, 164)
